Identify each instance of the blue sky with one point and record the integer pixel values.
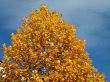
(90, 17)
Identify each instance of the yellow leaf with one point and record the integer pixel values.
(69, 37)
(60, 44)
(51, 43)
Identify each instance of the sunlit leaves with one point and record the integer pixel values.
(46, 49)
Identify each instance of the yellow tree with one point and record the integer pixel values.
(47, 49)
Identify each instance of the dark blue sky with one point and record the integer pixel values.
(91, 18)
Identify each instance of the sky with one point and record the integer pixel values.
(90, 17)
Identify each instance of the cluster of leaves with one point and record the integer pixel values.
(47, 49)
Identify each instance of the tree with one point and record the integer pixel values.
(47, 49)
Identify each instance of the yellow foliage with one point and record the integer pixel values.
(46, 49)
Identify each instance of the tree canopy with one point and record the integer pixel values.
(47, 49)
